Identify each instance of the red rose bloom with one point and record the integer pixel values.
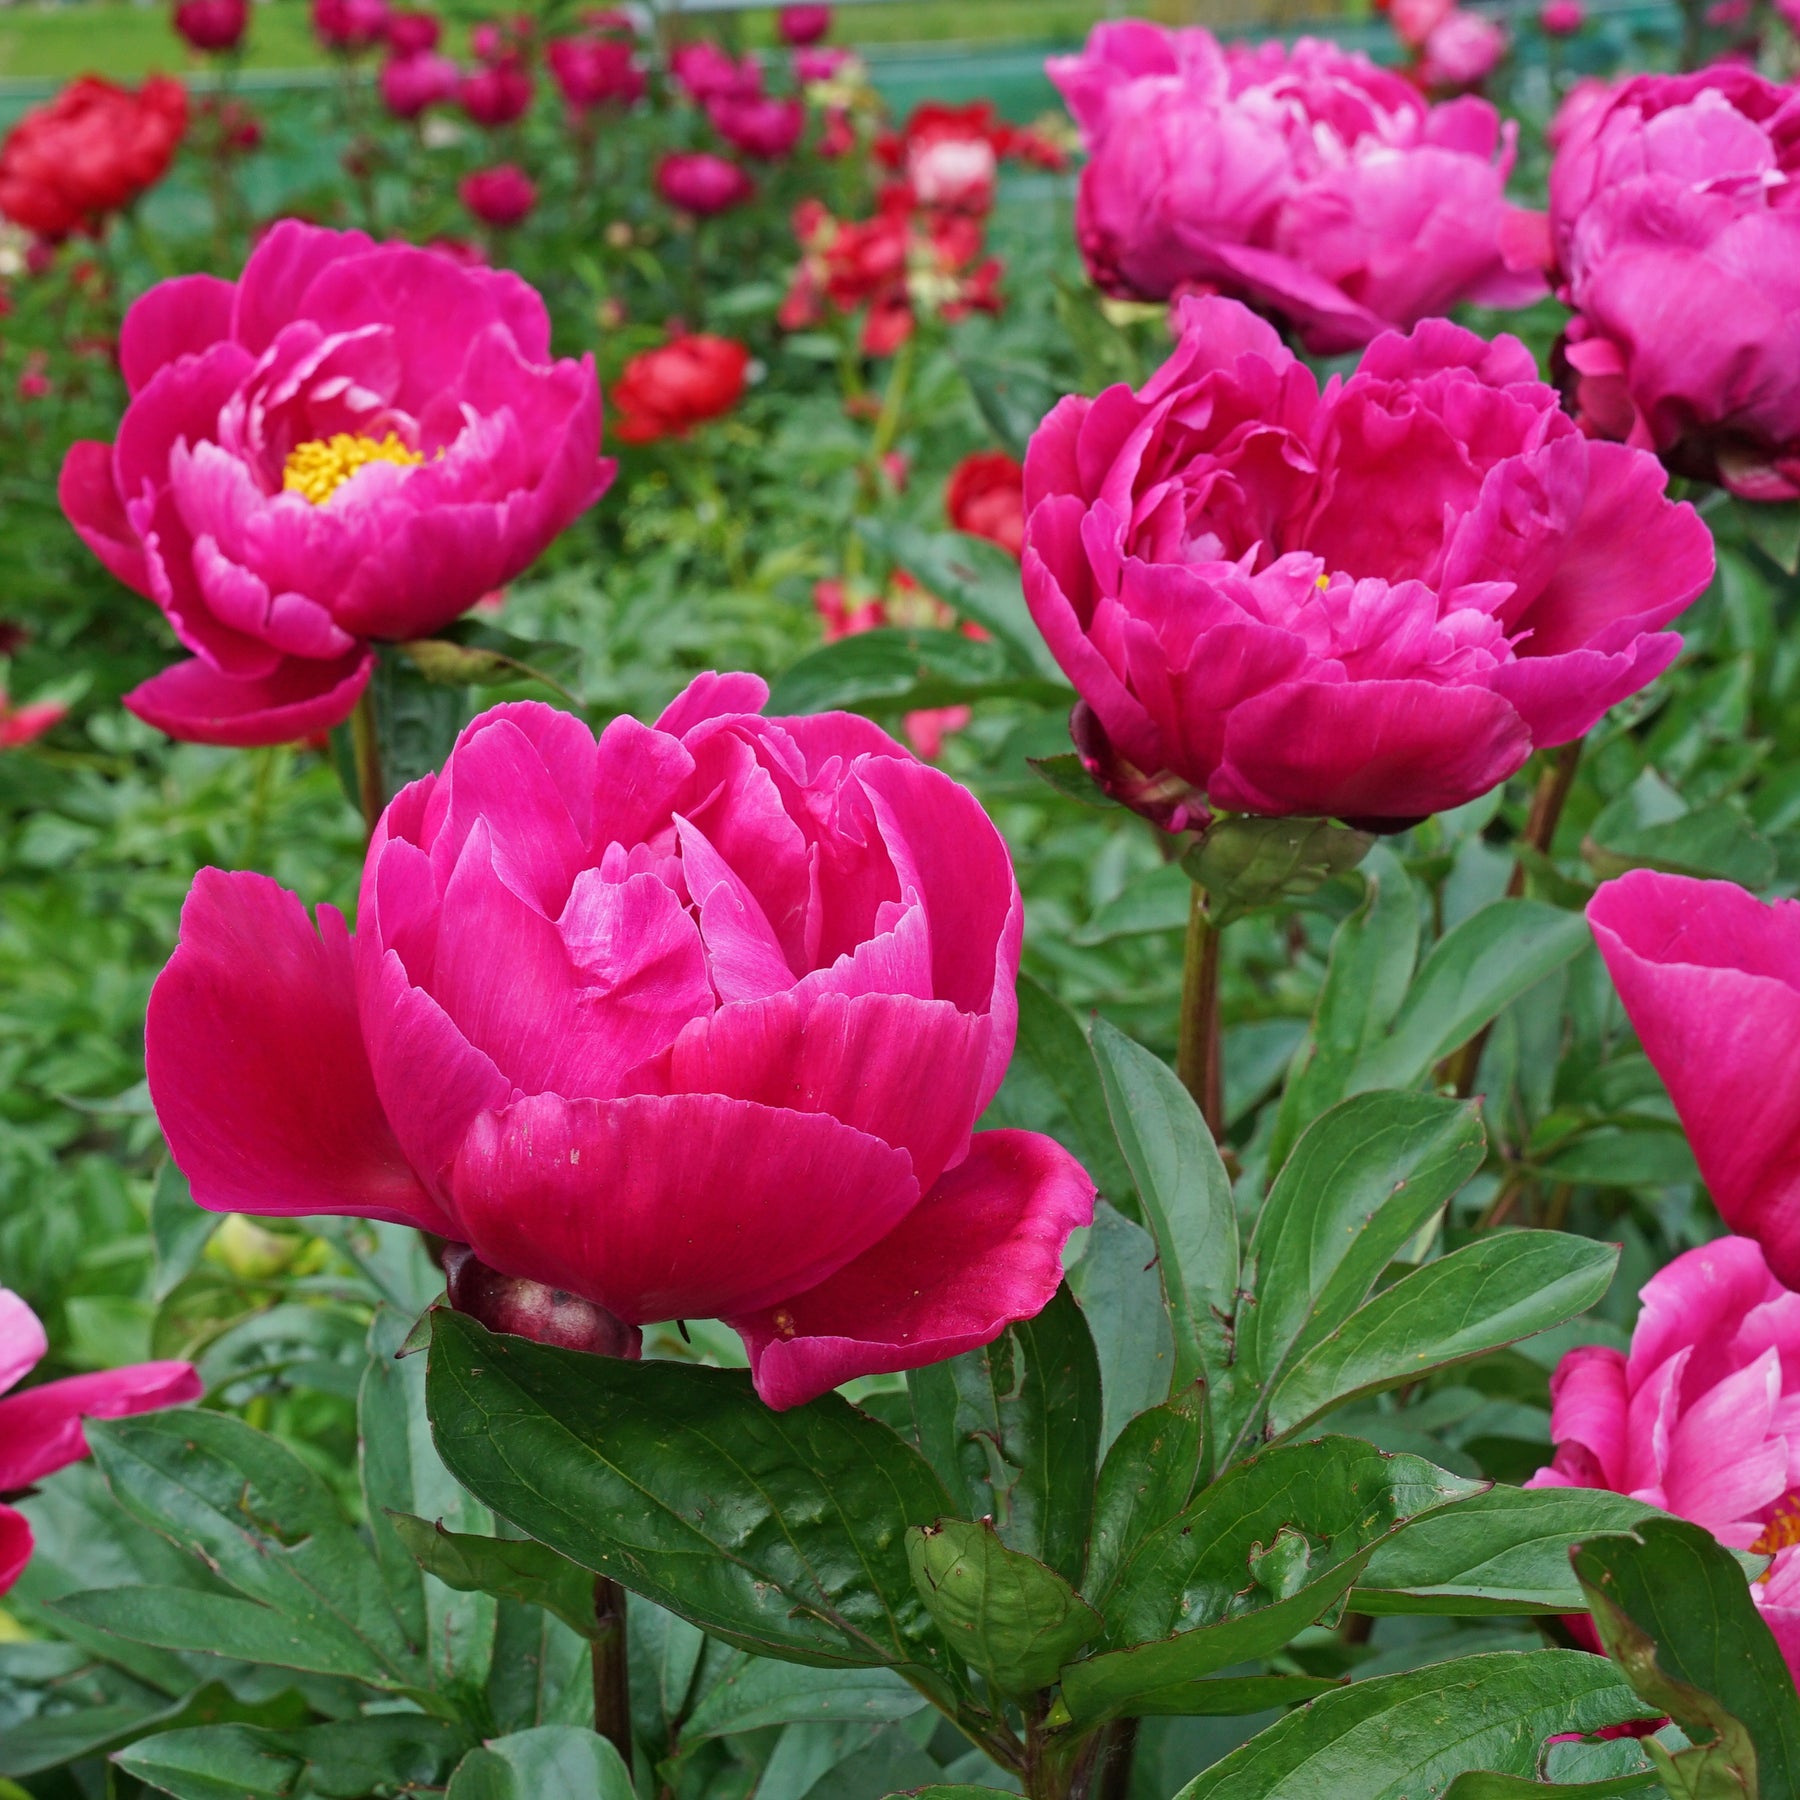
(985, 496)
(92, 150)
(666, 391)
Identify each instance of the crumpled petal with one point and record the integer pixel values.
(192, 701)
(40, 1429)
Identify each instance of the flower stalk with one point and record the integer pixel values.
(1198, 1060)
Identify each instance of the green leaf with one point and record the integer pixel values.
(1008, 1615)
(1012, 394)
(1366, 977)
(1773, 526)
(755, 1691)
(1051, 1086)
(1186, 1200)
(1068, 775)
(1489, 1293)
(889, 671)
(1650, 826)
(957, 1793)
(353, 1759)
(543, 1764)
(1157, 900)
(472, 653)
(1013, 1428)
(175, 1618)
(1148, 1477)
(401, 1473)
(1300, 1522)
(1231, 1696)
(1387, 1736)
(417, 720)
(1246, 863)
(1363, 1179)
(178, 1227)
(978, 578)
(255, 1515)
(1505, 1551)
(780, 1532)
(1121, 1296)
(1675, 1613)
(1484, 1784)
(1473, 971)
(513, 1568)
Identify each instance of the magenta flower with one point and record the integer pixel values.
(700, 183)
(1710, 977)
(696, 1021)
(801, 26)
(1307, 181)
(1672, 224)
(1370, 602)
(350, 25)
(497, 93)
(501, 197)
(1561, 18)
(417, 80)
(413, 33)
(705, 71)
(1461, 51)
(1702, 1418)
(40, 1429)
(595, 71)
(765, 128)
(352, 441)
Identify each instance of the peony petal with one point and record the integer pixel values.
(192, 701)
(282, 268)
(687, 1206)
(982, 1250)
(22, 1340)
(713, 696)
(15, 1546)
(175, 318)
(1588, 1401)
(40, 1429)
(89, 497)
(1367, 749)
(257, 1068)
(1710, 978)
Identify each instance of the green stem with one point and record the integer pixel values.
(893, 406)
(365, 743)
(1198, 1061)
(612, 1673)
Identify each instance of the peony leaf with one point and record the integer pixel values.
(1148, 1477)
(552, 1760)
(512, 1568)
(892, 671)
(352, 1756)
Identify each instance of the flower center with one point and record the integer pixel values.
(1782, 1531)
(318, 468)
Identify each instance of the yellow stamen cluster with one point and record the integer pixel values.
(318, 468)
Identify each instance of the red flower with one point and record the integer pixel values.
(802, 25)
(765, 128)
(212, 25)
(498, 93)
(985, 496)
(91, 151)
(700, 183)
(501, 196)
(665, 392)
(350, 25)
(20, 725)
(413, 33)
(595, 71)
(950, 155)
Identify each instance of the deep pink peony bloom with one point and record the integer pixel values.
(1463, 49)
(1370, 602)
(212, 25)
(40, 1429)
(1702, 1418)
(698, 182)
(1710, 977)
(801, 26)
(823, 63)
(704, 71)
(1308, 181)
(501, 196)
(696, 1022)
(497, 93)
(595, 71)
(1415, 20)
(1561, 18)
(413, 33)
(352, 441)
(350, 25)
(417, 80)
(1674, 226)
(766, 128)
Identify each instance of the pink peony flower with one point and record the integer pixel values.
(1710, 977)
(1589, 96)
(1702, 1418)
(501, 196)
(420, 79)
(595, 71)
(1306, 180)
(700, 183)
(212, 26)
(1463, 50)
(820, 64)
(1415, 20)
(801, 26)
(1561, 18)
(352, 441)
(349, 25)
(40, 1429)
(767, 129)
(692, 1022)
(1679, 250)
(497, 93)
(413, 33)
(1370, 602)
(22, 725)
(704, 72)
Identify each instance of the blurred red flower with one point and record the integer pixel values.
(500, 196)
(497, 94)
(212, 25)
(700, 183)
(349, 24)
(802, 25)
(413, 33)
(667, 391)
(89, 152)
(985, 496)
